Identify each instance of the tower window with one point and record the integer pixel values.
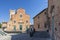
(26, 21)
(45, 25)
(14, 21)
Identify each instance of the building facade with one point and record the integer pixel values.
(40, 21)
(19, 21)
(54, 14)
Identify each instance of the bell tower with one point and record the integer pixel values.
(12, 12)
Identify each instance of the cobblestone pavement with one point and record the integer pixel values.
(36, 36)
(24, 36)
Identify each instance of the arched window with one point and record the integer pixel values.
(20, 27)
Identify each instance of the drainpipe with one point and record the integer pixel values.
(53, 26)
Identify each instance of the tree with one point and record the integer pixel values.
(0, 25)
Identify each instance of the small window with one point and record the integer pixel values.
(45, 25)
(45, 13)
(38, 17)
(56, 29)
(52, 7)
(26, 21)
(14, 21)
(38, 26)
(48, 17)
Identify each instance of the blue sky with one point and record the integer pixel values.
(32, 7)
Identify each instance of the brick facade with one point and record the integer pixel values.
(40, 21)
(54, 9)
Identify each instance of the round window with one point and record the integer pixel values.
(20, 16)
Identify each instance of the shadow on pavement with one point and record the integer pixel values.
(41, 34)
(36, 35)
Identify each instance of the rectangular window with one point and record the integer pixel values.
(20, 27)
(45, 13)
(45, 25)
(38, 26)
